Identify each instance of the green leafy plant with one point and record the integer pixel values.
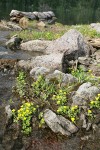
(24, 114)
(21, 84)
(71, 112)
(43, 89)
(41, 120)
(60, 97)
(85, 76)
(96, 102)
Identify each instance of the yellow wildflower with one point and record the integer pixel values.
(97, 98)
(13, 110)
(92, 102)
(98, 95)
(89, 70)
(60, 91)
(89, 111)
(73, 119)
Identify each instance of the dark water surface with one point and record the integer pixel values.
(67, 11)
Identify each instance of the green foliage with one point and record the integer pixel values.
(24, 114)
(90, 114)
(60, 97)
(71, 112)
(41, 120)
(34, 35)
(51, 95)
(95, 103)
(43, 89)
(85, 76)
(21, 84)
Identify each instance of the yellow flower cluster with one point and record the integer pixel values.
(95, 103)
(26, 110)
(60, 97)
(73, 108)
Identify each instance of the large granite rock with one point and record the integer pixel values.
(39, 71)
(52, 62)
(60, 52)
(71, 42)
(64, 79)
(59, 124)
(35, 46)
(85, 93)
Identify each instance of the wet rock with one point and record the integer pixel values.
(35, 46)
(96, 26)
(62, 77)
(39, 71)
(14, 43)
(58, 123)
(84, 94)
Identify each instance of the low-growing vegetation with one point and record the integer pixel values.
(37, 95)
(52, 32)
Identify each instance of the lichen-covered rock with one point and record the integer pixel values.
(59, 124)
(84, 94)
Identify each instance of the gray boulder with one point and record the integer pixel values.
(71, 42)
(84, 94)
(72, 45)
(62, 77)
(84, 60)
(76, 47)
(39, 71)
(52, 62)
(35, 46)
(14, 42)
(59, 124)
(96, 26)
